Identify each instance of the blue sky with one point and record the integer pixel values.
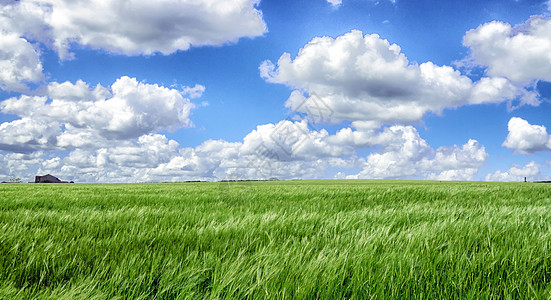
(135, 91)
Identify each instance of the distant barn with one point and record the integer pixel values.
(47, 179)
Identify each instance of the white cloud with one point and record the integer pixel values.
(131, 28)
(339, 2)
(194, 92)
(153, 157)
(526, 138)
(367, 80)
(127, 162)
(26, 18)
(19, 63)
(19, 165)
(285, 150)
(521, 53)
(404, 154)
(517, 173)
(197, 163)
(156, 158)
(75, 115)
(287, 140)
(27, 135)
(454, 175)
(457, 163)
(496, 89)
(135, 27)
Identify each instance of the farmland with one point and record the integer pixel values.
(284, 239)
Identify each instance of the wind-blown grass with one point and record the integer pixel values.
(295, 239)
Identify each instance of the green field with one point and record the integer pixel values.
(294, 239)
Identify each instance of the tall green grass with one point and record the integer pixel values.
(294, 239)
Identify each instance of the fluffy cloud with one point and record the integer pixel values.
(153, 157)
(404, 154)
(198, 163)
(128, 162)
(19, 63)
(526, 138)
(289, 140)
(75, 115)
(517, 173)
(27, 135)
(521, 53)
(133, 27)
(367, 80)
(127, 27)
(19, 165)
(456, 163)
(285, 150)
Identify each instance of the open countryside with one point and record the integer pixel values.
(283, 239)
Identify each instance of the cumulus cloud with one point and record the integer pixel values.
(520, 53)
(19, 63)
(400, 152)
(19, 165)
(404, 154)
(76, 115)
(200, 162)
(155, 158)
(457, 163)
(517, 173)
(133, 27)
(288, 140)
(369, 81)
(526, 138)
(27, 135)
(128, 162)
(286, 150)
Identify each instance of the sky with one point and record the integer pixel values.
(176, 90)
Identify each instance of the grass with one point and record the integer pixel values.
(294, 239)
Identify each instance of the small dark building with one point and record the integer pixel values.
(47, 179)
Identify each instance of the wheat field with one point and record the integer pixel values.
(327, 239)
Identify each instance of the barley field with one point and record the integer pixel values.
(333, 239)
